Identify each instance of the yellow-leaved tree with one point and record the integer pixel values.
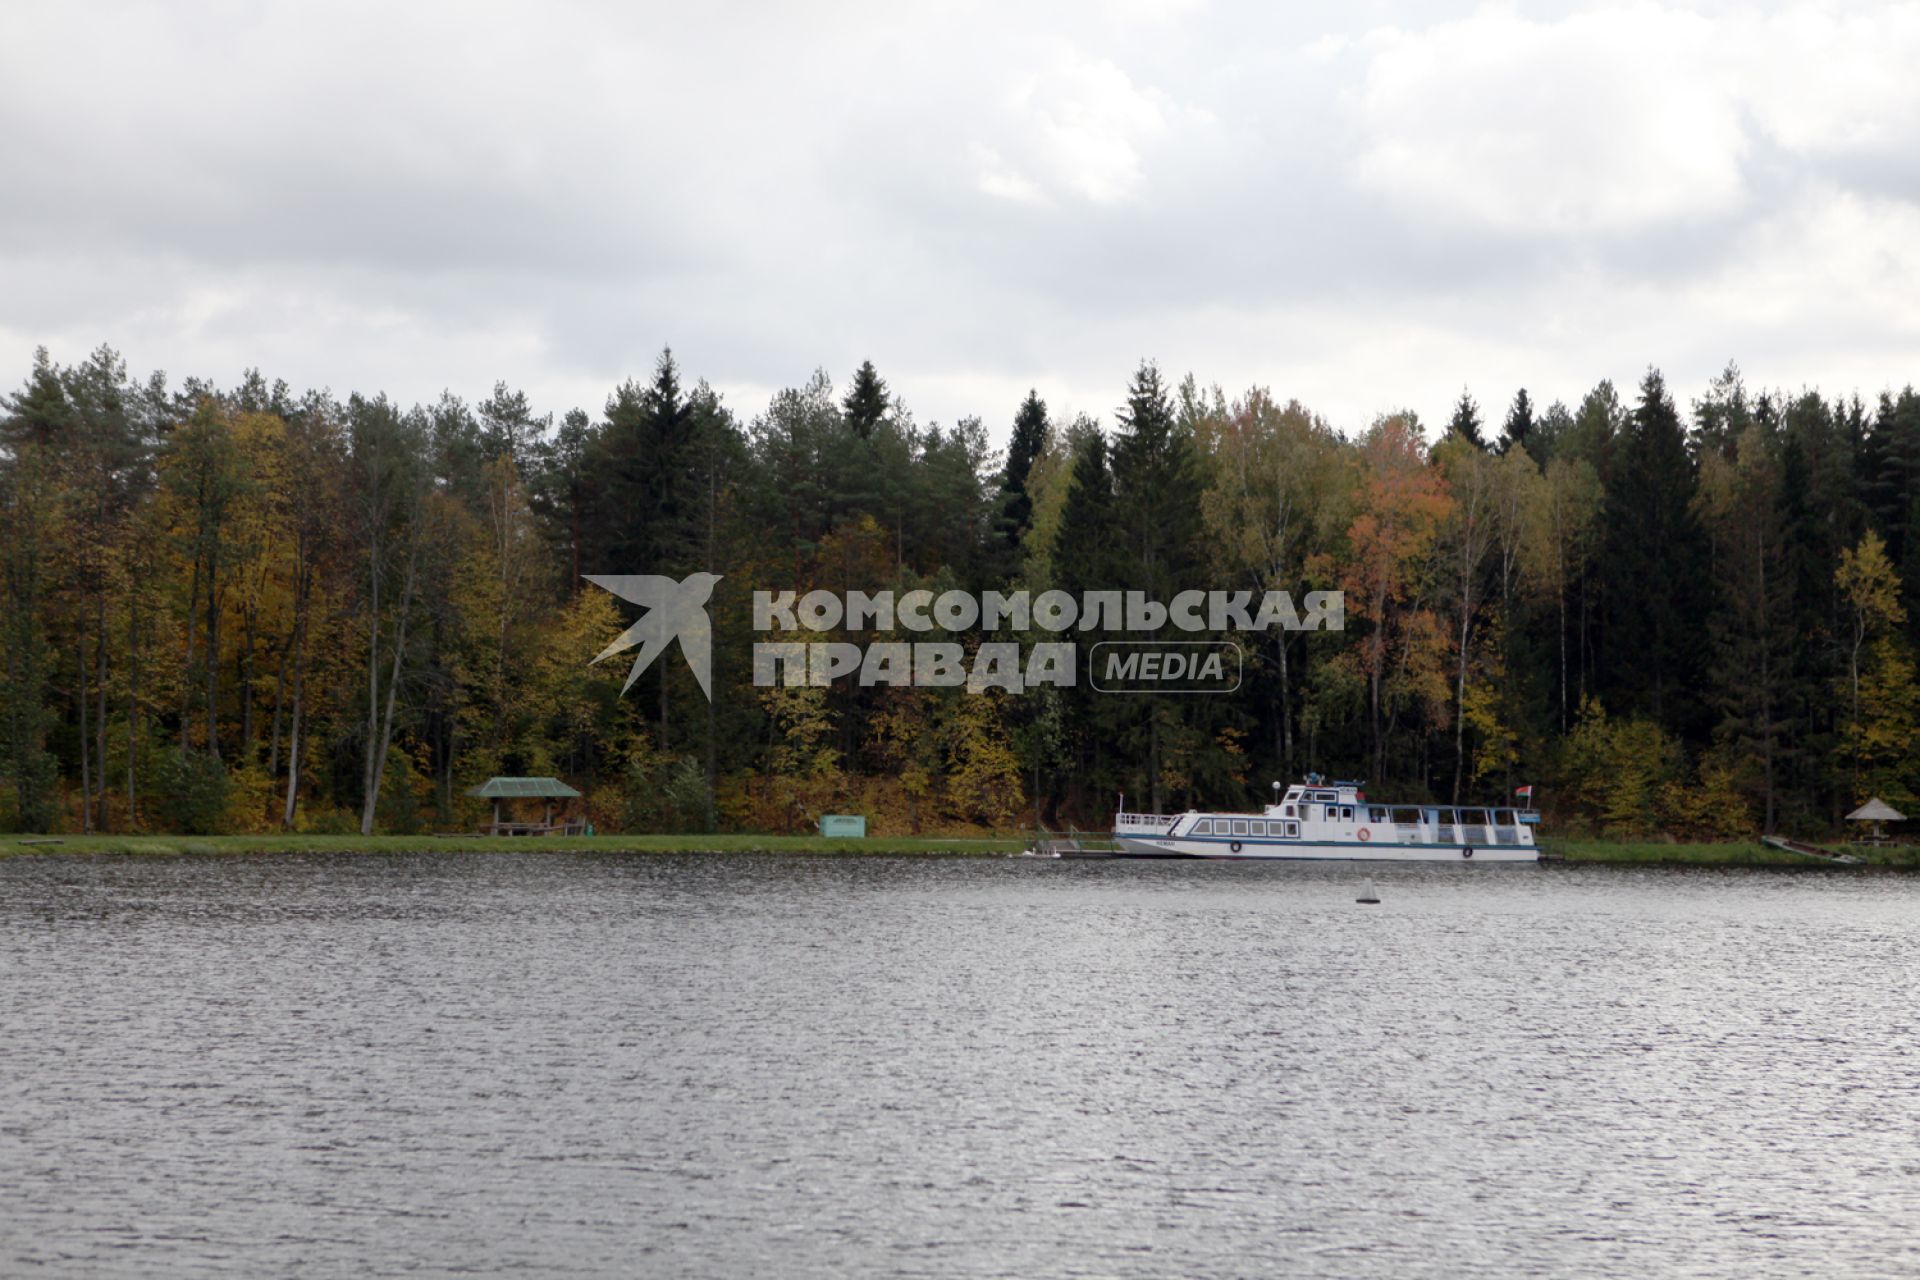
(1616, 772)
(983, 773)
(803, 767)
(1883, 708)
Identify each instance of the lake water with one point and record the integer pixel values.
(760, 1066)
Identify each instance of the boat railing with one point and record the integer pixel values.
(1142, 821)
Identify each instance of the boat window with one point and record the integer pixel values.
(1376, 815)
(1325, 796)
(1504, 818)
(1259, 827)
(1346, 813)
(1204, 827)
(1289, 811)
(1293, 829)
(1239, 826)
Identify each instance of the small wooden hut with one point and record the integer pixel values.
(507, 790)
(1873, 813)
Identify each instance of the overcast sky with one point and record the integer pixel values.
(1362, 205)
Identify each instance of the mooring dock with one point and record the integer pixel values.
(1808, 850)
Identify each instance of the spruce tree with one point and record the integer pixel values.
(1465, 422)
(867, 401)
(1028, 442)
(1656, 589)
(1519, 422)
(1157, 485)
(643, 513)
(1084, 559)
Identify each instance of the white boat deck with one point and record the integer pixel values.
(1336, 820)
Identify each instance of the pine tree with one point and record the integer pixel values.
(507, 424)
(1722, 416)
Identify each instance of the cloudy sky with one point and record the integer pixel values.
(1364, 205)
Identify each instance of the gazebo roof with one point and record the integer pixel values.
(1876, 810)
(519, 788)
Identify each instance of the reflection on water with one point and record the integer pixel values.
(740, 1066)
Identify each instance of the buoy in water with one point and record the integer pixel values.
(1369, 895)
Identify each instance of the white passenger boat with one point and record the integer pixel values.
(1327, 821)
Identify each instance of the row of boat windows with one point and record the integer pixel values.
(1244, 827)
(1383, 813)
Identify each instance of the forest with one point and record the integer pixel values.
(246, 609)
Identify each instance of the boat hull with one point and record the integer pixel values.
(1255, 850)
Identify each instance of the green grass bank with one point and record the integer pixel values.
(162, 846)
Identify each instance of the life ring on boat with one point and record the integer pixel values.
(1235, 846)
(1467, 852)
(1365, 834)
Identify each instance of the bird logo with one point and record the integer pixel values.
(674, 611)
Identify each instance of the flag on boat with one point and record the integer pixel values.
(1525, 792)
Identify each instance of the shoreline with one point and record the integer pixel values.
(1564, 852)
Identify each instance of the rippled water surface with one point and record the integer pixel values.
(769, 1066)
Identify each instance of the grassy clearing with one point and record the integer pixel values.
(164, 846)
(1732, 853)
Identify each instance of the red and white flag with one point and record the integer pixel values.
(1526, 791)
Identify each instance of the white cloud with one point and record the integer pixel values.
(1618, 119)
(1829, 272)
(998, 178)
(1082, 129)
(1820, 77)
(1603, 121)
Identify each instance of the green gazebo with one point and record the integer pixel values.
(509, 789)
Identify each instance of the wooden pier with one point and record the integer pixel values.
(1808, 850)
(1074, 844)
